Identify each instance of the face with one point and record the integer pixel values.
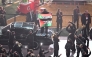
(86, 11)
(75, 36)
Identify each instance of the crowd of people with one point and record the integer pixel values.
(82, 40)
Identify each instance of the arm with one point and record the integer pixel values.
(45, 52)
(59, 33)
(67, 28)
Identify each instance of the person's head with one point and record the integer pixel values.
(59, 10)
(42, 10)
(77, 7)
(3, 49)
(55, 35)
(13, 32)
(86, 11)
(70, 23)
(30, 32)
(75, 36)
(30, 50)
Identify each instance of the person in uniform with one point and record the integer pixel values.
(3, 2)
(12, 38)
(56, 43)
(68, 47)
(30, 40)
(86, 21)
(80, 40)
(59, 20)
(17, 47)
(90, 33)
(76, 15)
(71, 28)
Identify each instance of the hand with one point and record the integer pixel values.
(76, 30)
(49, 50)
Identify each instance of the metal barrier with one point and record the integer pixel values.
(66, 19)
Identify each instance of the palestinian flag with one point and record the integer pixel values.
(45, 23)
(44, 20)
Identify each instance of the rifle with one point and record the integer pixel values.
(58, 33)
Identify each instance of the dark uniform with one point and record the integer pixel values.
(80, 41)
(84, 34)
(84, 54)
(30, 40)
(71, 29)
(42, 52)
(2, 20)
(76, 15)
(90, 33)
(12, 38)
(3, 2)
(86, 21)
(68, 47)
(59, 20)
(17, 47)
(29, 17)
(56, 44)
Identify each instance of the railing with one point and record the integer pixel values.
(66, 19)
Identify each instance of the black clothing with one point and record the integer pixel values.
(86, 20)
(72, 29)
(76, 16)
(17, 47)
(3, 2)
(12, 38)
(85, 55)
(90, 33)
(30, 41)
(0, 49)
(3, 20)
(59, 20)
(56, 46)
(42, 1)
(85, 35)
(68, 47)
(42, 52)
(29, 17)
(36, 19)
(83, 39)
(79, 41)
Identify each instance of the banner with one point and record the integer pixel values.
(45, 20)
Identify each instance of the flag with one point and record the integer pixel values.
(45, 20)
